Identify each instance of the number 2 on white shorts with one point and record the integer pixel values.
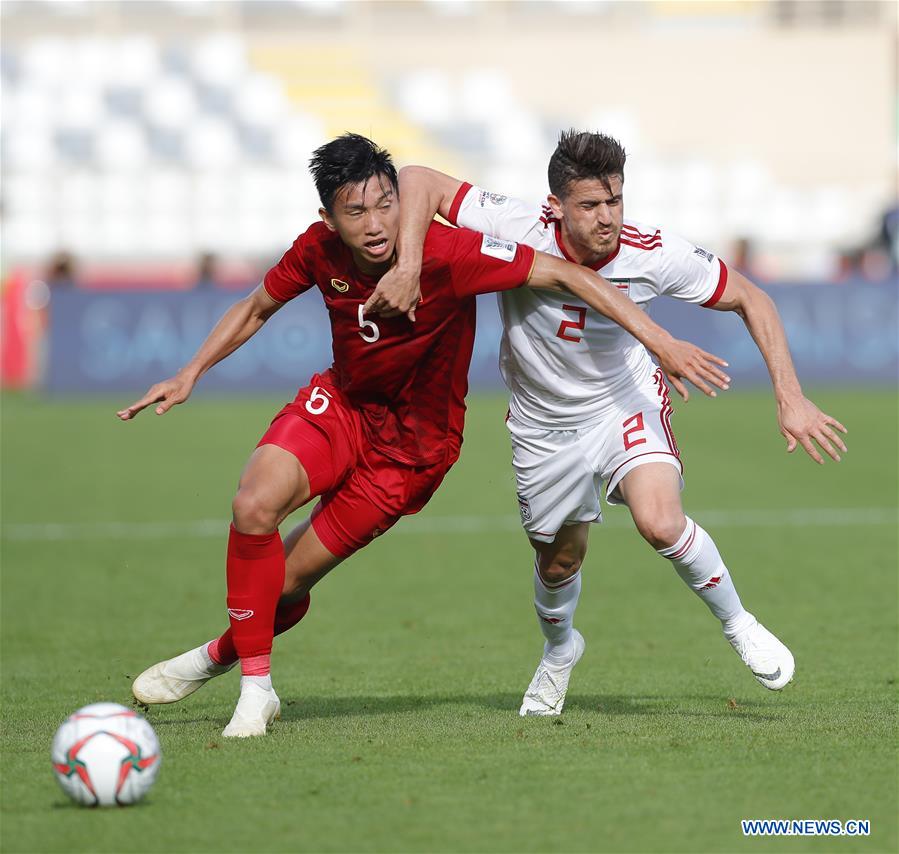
(632, 426)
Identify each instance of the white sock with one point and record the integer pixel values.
(261, 681)
(555, 605)
(696, 559)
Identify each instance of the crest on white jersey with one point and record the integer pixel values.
(502, 249)
(623, 285)
(524, 507)
(491, 200)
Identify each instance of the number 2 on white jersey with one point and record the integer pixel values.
(370, 332)
(318, 401)
(565, 325)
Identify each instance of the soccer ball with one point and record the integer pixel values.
(105, 755)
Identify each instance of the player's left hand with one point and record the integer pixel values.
(801, 421)
(681, 360)
(398, 292)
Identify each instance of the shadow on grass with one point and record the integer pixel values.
(706, 706)
(602, 704)
(70, 805)
(691, 706)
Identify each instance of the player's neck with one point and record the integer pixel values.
(578, 253)
(369, 268)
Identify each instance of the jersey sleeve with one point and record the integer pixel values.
(690, 273)
(290, 276)
(481, 264)
(495, 214)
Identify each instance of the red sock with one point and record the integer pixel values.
(255, 581)
(288, 614)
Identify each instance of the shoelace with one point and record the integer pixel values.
(749, 645)
(547, 677)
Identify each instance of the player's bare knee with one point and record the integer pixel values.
(295, 588)
(560, 568)
(299, 577)
(253, 515)
(661, 530)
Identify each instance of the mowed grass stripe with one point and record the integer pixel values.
(428, 524)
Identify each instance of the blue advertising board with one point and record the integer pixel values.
(121, 341)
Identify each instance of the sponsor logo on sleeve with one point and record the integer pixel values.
(502, 249)
(491, 200)
(703, 253)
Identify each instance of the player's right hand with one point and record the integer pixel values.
(681, 360)
(167, 393)
(801, 421)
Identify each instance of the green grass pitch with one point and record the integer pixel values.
(400, 690)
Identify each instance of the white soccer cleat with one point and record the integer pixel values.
(546, 693)
(177, 678)
(769, 660)
(256, 709)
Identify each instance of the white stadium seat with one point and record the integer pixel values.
(122, 144)
(170, 103)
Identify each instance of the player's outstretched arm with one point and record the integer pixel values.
(680, 360)
(800, 421)
(238, 325)
(423, 193)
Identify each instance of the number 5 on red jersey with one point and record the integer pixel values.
(370, 332)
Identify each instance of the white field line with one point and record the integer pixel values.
(429, 524)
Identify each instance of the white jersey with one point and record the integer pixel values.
(564, 363)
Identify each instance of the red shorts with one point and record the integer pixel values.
(363, 492)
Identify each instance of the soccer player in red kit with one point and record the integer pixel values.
(374, 435)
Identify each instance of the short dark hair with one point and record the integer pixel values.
(580, 155)
(349, 159)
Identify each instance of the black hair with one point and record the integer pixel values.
(581, 155)
(349, 159)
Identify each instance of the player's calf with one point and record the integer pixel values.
(555, 605)
(698, 562)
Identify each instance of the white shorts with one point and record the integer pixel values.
(560, 473)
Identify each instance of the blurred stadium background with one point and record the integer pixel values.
(163, 145)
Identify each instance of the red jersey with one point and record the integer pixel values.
(408, 380)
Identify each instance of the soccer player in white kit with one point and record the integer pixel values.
(589, 409)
